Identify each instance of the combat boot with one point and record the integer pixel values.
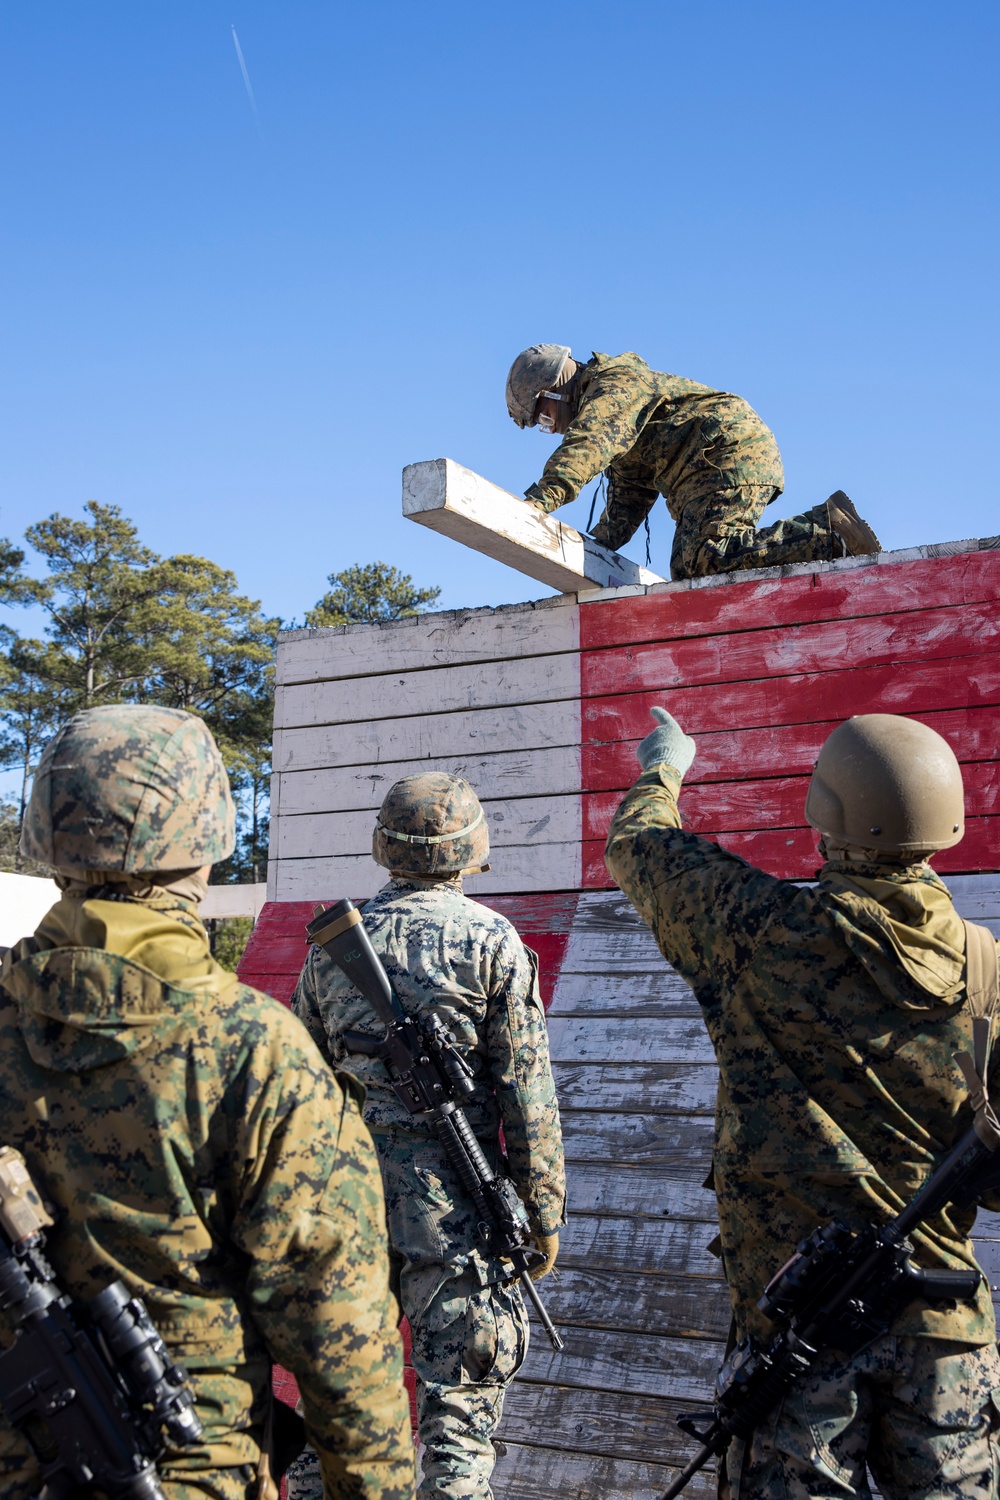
(856, 535)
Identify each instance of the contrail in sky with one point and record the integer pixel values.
(246, 78)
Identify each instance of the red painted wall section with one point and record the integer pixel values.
(760, 671)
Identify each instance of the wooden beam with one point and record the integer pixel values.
(458, 503)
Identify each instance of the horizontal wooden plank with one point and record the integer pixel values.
(648, 995)
(821, 646)
(906, 686)
(620, 1189)
(529, 821)
(606, 1422)
(678, 1247)
(783, 750)
(761, 603)
(689, 1307)
(610, 1040)
(628, 948)
(532, 1473)
(550, 867)
(443, 638)
(977, 896)
(669, 1139)
(431, 737)
(791, 854)
(647, 1364)
(438, 690)
(637, 1087)
(741, 806)
(523, 772)
(460, 504)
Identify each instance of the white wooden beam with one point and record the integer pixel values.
(440, 494)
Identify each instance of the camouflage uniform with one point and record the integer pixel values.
(838, 1096)
(707, 452)
(448, 954)
(189, 1135)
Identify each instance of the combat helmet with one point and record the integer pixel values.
(131, 788)
(534, 370)
(887, 783)
(431, 825)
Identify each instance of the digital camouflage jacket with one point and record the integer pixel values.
(838, 1094)
(655, 434)
(447, 954)
(194, 1143)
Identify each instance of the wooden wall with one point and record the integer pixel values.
(541, 707)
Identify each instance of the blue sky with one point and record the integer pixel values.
(240, 330)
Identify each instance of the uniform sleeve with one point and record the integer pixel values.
(305, 1005)
(613, 412)
(707, 908)
(518, 1047)
(311, 1220)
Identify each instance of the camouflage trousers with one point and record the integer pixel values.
(717, 533)
(467, 1323)
(923, 1414)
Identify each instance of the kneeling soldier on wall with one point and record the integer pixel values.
(705, 451)
(835, 1013)
(186, 1133)
(447, 955)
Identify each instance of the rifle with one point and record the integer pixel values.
(842, 1290)
(90, 1385)
(431, 1077)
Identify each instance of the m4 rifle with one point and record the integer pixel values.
(90, 1385)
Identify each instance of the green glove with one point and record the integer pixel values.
(666, 745)
(533, 495)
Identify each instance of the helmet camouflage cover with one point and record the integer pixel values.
(429, 825)
(130, 788)
(887, 783)
(533, 371)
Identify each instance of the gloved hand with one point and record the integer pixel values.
(547, 1245)
(533, 495)
(667, 744)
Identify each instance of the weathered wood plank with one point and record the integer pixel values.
(438, 690)
(610, 1040)
(513, 773)
(784, 750)
(424, 737)
(678, 1306)
(593, 1242)
(532, 1473)
(637, 1088)
(791, 852)
(633, 995)
(619, 1189)
(905, 686)
(604, 1422)
(645, 1363)
(441, 639)
(672, 613)
(977, 896)
(820, 646)
(777, 802)
(673, 1139)
(549, 867)
(528, 821)
(454, 501)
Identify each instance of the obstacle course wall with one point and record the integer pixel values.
(541, 706)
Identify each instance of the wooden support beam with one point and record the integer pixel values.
(458, 503)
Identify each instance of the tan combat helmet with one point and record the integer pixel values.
(431, 825)
(887, 783)
(130, 788)
(534, 370)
